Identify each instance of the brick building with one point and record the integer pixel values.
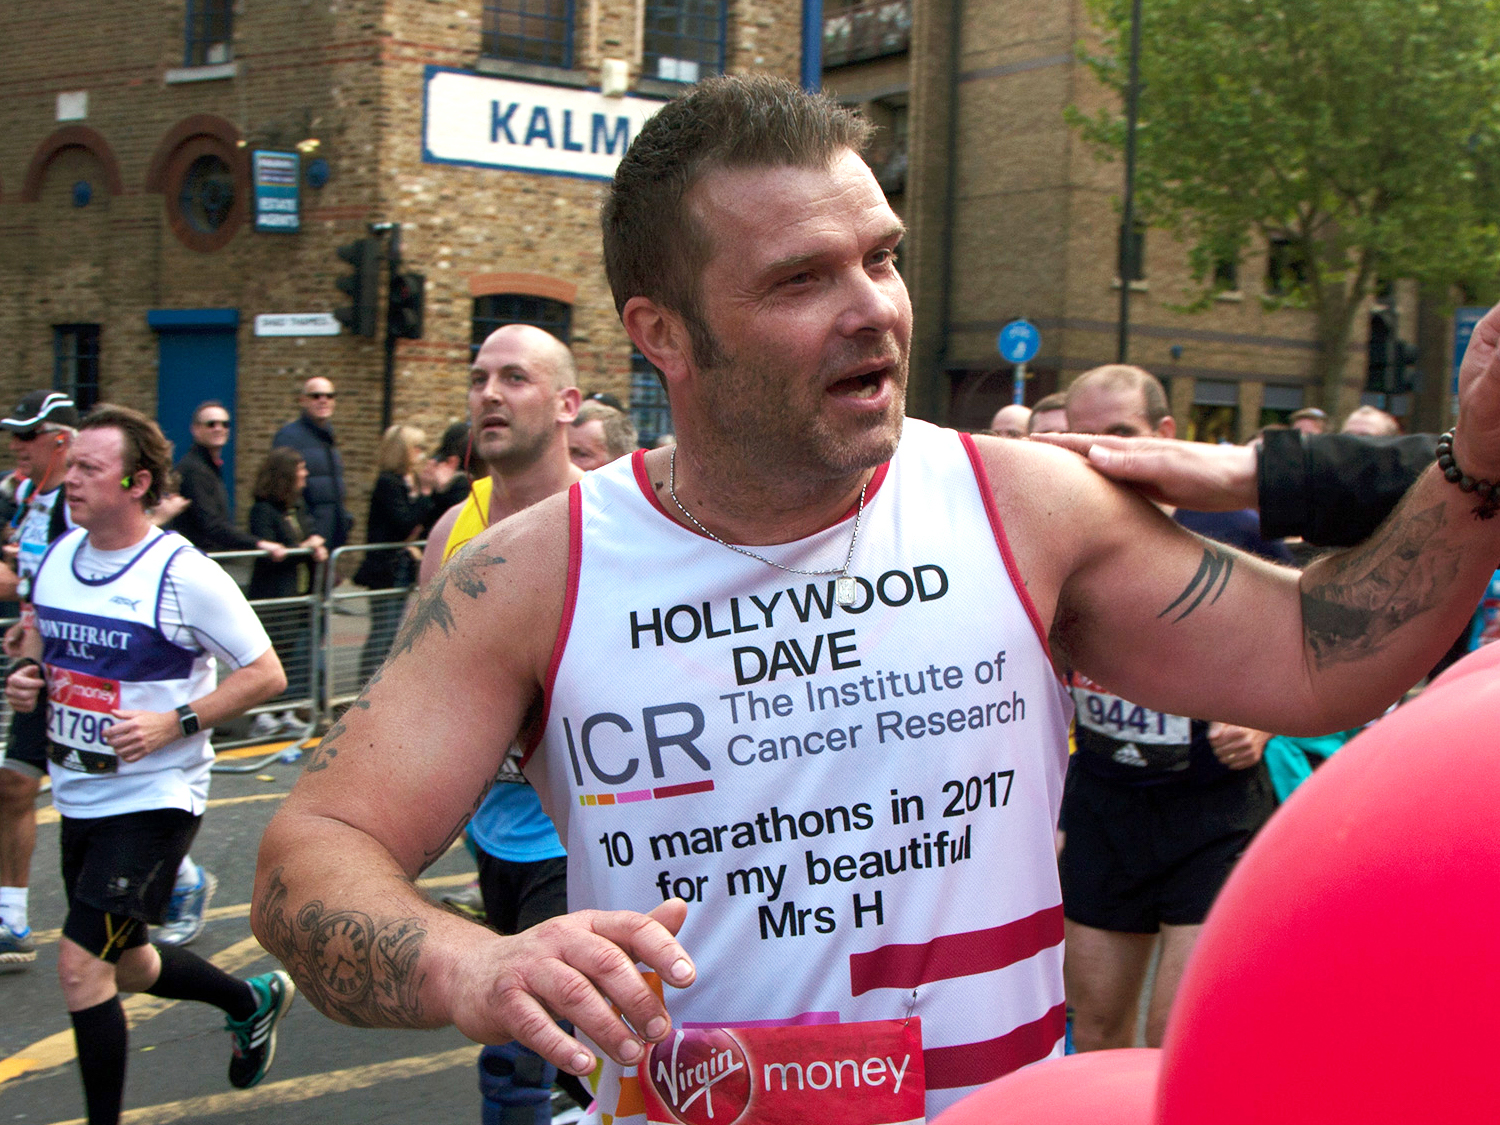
(1010, 216)
(173, 170)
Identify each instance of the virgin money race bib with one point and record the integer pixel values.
(80, 710)
(836, 1074)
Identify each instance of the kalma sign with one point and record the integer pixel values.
(499, 123)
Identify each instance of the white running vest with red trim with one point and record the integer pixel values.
(858, 803)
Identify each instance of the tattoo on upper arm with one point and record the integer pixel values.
(323, 754)
(465, 572)
(355, 969)
(1365, 594)
(1213, 574)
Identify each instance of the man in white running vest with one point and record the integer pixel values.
(790, 687)
(129, 622)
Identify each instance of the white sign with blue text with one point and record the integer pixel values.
(499, 123)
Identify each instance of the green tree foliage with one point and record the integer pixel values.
(1366, 133)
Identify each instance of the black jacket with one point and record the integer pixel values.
(289, 577)
(324, 494)
(394, 515)
(1335, 489)
(205, 522)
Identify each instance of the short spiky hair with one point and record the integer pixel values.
(653, 247)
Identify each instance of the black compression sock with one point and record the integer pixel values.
(99, 1033)
(186, 976)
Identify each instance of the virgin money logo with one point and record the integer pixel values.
(77, 689)
(702, 1076)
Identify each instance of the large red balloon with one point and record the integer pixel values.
(1097, 1088)
(1350, 970)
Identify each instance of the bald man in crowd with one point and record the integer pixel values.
(1157, 807)
(311, 434)
(1011, 421)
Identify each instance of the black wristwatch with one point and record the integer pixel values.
(187, 718)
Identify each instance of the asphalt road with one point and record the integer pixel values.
(179, 1052)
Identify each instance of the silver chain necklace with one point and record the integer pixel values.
(843, 588)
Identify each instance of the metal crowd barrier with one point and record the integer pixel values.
(330, 641)
(294, 626)
(361, 624)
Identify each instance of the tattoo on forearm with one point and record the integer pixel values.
(1213, 574)
(431, 857)
(354, 969)
(1370, 591)
(465, 572)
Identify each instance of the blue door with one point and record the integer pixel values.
(197, 355)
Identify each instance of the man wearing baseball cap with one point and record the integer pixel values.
(41, 429)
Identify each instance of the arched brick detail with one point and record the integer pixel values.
(202, 134)
(71, 136)
(532, 284)
(198, 125)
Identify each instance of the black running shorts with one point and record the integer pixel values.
(1138, 857)
(118, 872)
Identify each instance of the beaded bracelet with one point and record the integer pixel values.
(1487, 491)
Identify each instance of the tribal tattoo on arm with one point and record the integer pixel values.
(1213, 574)
(355, 969)
(1359, 598)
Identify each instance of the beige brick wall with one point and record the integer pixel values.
(348, 73)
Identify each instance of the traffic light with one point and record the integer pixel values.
(403, 319)
(1391, 366)
(360, 285)
(1406, 374)
(1380, 366)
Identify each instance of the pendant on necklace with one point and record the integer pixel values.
(843, 591)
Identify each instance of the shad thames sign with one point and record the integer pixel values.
(497, 123)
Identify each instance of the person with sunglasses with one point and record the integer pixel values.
(207, 525)
(311, 434)
(206, 522)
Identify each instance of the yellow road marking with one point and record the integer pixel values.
(49, 814)
(265, 748)
(14, 1067)
(58, 1049)
(293, 1090)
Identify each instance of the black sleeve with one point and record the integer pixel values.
(267, 523)
(1335, 489)
(206, 521)
(394, 513)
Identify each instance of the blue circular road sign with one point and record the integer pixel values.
(1019, 341)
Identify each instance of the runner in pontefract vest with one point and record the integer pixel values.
(130, 621)
(1158, 807)
(790, 688)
